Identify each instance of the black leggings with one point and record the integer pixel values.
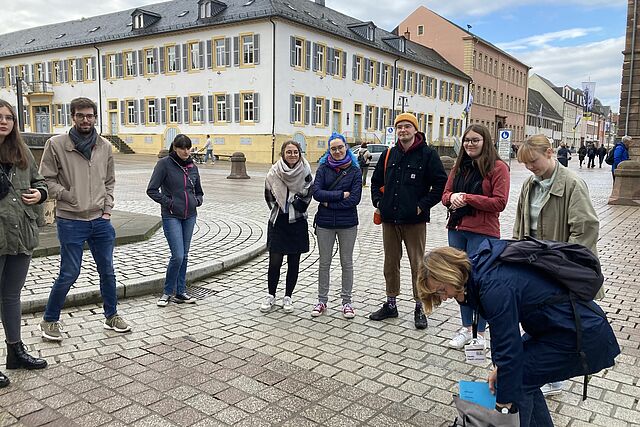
(293, 267)
(13, 272)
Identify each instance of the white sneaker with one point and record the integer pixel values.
(287, 305)
(268, 303)
(552, 389)
(461, 338)
(164, 300)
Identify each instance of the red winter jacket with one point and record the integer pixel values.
(488, 205)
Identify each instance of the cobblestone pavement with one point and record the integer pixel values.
(222, 362)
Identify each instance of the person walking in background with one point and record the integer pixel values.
(175, 185)
(476, 192)
(620, 154)
(209, 151)
(288, 194)
(364, 160)
(404, 187)
(564, 155)
(554, 204)
(78, 169)
(338, 188)
(582, 152)
(591, 154)
(21, 188)
(602, 153)
(512, 296)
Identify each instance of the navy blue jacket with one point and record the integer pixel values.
(176, 188)
(339, 212)
(414, 179)
(508, 294)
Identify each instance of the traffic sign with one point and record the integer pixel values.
(505, 135)
(504, 144)
(390, 135)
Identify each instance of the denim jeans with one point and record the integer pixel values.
(209, 155)
(533, 408)
(178, 233)
(100, 235)
(469, 242)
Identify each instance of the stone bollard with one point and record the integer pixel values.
(448, 163)
(626, 187)
(238, 166)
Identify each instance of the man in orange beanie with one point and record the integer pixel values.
(413, 179)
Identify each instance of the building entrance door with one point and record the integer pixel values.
(42, 118)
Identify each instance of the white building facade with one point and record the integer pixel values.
(248, 74)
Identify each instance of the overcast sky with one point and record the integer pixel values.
(566, 41)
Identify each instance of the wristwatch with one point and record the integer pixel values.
(505, 410)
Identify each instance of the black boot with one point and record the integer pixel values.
(18, 358)
(4, 381)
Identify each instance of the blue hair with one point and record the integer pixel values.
(335, 135)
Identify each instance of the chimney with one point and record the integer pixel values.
(407, 34)
(320, 2)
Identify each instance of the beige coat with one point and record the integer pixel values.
(567, 214)
(83, 188)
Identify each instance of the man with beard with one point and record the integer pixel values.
(78, 168)
(407, 182)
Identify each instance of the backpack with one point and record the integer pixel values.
(609, 159)
(571, 265)
(361, 160)
(574, 267)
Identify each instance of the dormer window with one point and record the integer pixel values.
(398, 43)
(210, 8)
(371, 33)
(138, 21)
(366, 30)
(143, 19)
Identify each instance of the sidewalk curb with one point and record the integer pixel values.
(150, 284)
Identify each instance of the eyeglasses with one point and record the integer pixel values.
(474, 141)
(81, 117)
(399, 127)
(338, 148)
(292, 153)
(8, 118)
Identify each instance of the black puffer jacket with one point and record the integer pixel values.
(413, 179)
(175, 184)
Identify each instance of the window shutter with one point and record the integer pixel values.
(49, 68)
(156, 69)
(377, 118)
(314, 119)
(27, 119)
(236, 107)
(184, 57)
(163, 111)
(306, 110)
(354, 69)
(2, 82)
(141, 60)
(209, 53)
(344, 65)
(256, 107)
(378, 69)
(307, 48)
(326, 112)
(227, 103)
(179, 109)
(236, 51)
(256, 49)
(210, 108)
(30, 71)
(65, 71)
(227, 51)
(330, 67)
(119, 69)
(292, 108)
(136, 108)
(201, 55)
(122, 112)
(315, 57)
(186, 109)
(292, 51)
(163, 64)
(79, 69)
(178, 56)
(142, 112)
(64, 115)
(366, 117)
(404, 84)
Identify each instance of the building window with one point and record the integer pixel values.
(247, 107)
(221, 108)
(38, 71)
(221, 53)
(131, 112)
(152, 113)
(420, 30)
(359, 68)
(111, 66)
(173, 110)
(248, 47)
(299, 53)
(138, 21)
(194, 55)
(196, 109)
(59, 115)
(318, 112)
(337, 58)
(89, 68)
(150, 61)
(172, 60)
(73, 70)
(369, 119)
(297, 109)
(130, 68)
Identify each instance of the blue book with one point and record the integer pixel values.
(477, 392)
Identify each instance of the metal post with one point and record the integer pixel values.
(20, 104)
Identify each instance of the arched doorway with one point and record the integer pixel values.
(300, 139)
(169, 135)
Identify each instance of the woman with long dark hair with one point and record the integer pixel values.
(175, 185)
(477, 190)
(287, 193)
(21, 188)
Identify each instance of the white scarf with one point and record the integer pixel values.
(285, 182)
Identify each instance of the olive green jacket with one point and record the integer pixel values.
(567, 214)
(18, 222)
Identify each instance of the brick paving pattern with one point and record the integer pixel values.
(222, 362)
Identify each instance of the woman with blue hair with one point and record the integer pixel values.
(337, 187)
